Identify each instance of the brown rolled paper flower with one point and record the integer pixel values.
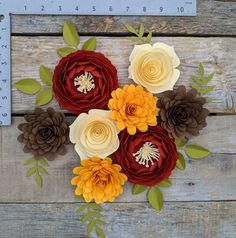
(44, 133)
(181, 113)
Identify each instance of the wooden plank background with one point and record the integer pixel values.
(202, 200)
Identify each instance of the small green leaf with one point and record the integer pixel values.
(42, 170)
(99, 222)
(95, 206)
(29, 161)
(207, 79)
(198, 88)
(138, 189)
(31, 171)
(180, 142)
(90, 227)
(70, 35)
(95, 214)
(201, 69)
(46, 75)
(141, 30)
(44, 97)
(90, 44)
(155, 198)
(148, 38)
(79, 197)
(197, 80)
(100, 232)
(180, 163)
(43, 162)
(196, 151)
(28, 86)
(130, 29)
(84, 219)
(133, 38)
(82, 208)
(208, 89)
(39, 180)
(166, 183)
(65, 51)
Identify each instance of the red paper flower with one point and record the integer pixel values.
(146, 158)
(84, 80)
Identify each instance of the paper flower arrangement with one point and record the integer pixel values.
(120, 134)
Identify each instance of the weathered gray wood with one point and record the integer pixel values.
(217, 55)
(212, 178)
(126, 220)
(215, 17)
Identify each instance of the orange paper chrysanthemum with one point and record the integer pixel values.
(133, 108)
(98, 180)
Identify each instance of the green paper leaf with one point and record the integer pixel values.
(196, 151)
(95, 206)
(148, 38)
(65, 51)
(90, 227)
(180, 142)
(197, 80)
(79, 198)
(100, 232)
(39, 180)
(42, 170)
(31, 171)
(141, 30)
(201, 69)
(99, 222)
(90, 44)
(46, 75)
(207, 79)
(84, 219)
(208, 89)
(180, 163)
(28, 86)
(70, 35)
(29, 161)
(82, 208)
(155, 198)
(133, 38)
(166, 183)
(138, 189)
(95, 214)
(43, 162)
(44, 97)
(130, 29)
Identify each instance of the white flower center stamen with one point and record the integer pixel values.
(147, 154)
(85, 82)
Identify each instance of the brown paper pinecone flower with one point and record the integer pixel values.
(182, 113)
(44, 133)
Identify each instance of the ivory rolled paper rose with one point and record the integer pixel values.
(154, 67)
(94, 134)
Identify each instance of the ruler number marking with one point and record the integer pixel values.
(42, 8)
(60, 8)
(110, 8)
(77, 8)
(127, 8)
(180, 9)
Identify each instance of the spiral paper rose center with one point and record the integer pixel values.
(97, 133)
(130, 109)
(84, 83)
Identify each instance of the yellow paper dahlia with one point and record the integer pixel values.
(98, 180)
(133, 108)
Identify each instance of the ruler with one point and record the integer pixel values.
(72, 7)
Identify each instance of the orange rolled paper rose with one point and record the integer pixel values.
(98, 180)
(134, 108)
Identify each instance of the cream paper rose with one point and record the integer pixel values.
(154, 67)
(94, 134)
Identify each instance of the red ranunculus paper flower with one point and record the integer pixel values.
(147, 158)
(84, 80)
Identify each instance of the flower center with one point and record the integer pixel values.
(147, 154)
(84, 82)
(130, 109)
